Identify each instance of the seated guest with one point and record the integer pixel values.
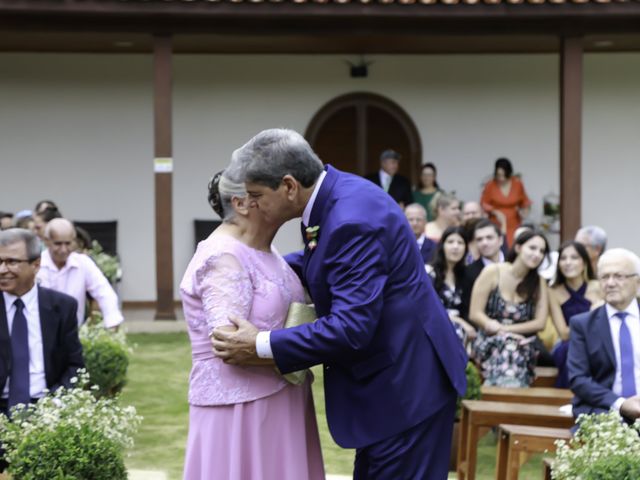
(447, 215)
(509, 304)
(449, 280)
(489, 242)
(417, 217)
(23, 219)
(395, 185)
(594, 240)
(574, 291)
(42, 205)
(42, 218)
(39, 345)
(6, 220)
(471, 210)
(547, 269)
(76, 274)
(427, 189)
(604, 345)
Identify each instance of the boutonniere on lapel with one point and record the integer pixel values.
(312, 237)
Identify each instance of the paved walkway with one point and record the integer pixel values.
(140, 320)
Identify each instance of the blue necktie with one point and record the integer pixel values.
(19, 375)
(626, 358)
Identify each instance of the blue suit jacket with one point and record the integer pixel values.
(591, 362)
(391, 356)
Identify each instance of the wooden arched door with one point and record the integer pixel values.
(352, 130)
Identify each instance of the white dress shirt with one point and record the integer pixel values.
(633, 323)
(263, 340)
(37, 380)
(385, 180)
(488, 261)
(77, 277)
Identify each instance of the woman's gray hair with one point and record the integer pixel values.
(30, 239)
(223, 187)
(443, 200)
(274, 153)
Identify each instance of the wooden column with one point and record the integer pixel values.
(570, 136)
(163, 168)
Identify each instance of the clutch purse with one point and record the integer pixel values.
(298, 314)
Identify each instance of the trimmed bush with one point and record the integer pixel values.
(106, 356)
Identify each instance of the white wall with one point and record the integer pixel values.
(78, 128)
(611, 147)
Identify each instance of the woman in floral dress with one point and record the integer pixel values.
(509, 304)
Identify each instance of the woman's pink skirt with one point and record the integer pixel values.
(273, 438)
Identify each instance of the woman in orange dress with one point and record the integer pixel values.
(505, 199)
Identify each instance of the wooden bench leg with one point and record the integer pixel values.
(501, 459)
(472, 450)
(462, 444)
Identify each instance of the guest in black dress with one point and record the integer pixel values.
(448, 272)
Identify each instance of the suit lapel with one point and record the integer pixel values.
(4, 321)
(318, 210)
(605, 333)
(48, 326)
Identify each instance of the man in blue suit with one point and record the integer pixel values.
(393, 365)
(604, 346)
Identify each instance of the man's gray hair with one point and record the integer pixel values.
(597, 236)
(274, 153)
(30, 239)
(620, 253)
(418, 207)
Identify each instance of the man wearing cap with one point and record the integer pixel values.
(395, 185)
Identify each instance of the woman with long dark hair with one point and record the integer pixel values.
(448, 272)
(427, 189)
(574, 290)
(509, 303)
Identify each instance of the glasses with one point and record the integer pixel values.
(616, 277)
(12, 263)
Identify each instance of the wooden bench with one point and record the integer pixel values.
(545, 377)
(476, 414)
(537, 395)
(517, 442)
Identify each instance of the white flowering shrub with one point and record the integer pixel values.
(69, 435)
(604, 448)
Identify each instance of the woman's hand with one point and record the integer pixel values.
(492, 327)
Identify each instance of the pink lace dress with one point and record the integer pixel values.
(245, 423)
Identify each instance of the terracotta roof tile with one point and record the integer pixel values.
(400, 2)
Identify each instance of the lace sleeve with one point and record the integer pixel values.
(225, 289)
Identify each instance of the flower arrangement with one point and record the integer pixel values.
(604, 448)
(69, 435)
(106, 355)
(109, 265)
(312, 236)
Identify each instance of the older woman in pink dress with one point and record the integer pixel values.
(245, 423)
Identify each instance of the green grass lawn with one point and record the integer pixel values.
(157, 387)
